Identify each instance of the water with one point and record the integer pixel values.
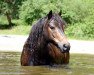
(80, 64)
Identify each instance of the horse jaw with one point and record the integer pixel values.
(57, 55)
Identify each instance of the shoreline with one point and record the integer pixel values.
(14, 43)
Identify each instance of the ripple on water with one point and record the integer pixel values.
(79, 65)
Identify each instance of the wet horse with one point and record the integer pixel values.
(47, 43)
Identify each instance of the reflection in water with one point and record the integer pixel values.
(79, 65)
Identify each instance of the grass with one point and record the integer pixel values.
(25, 30)
(21, 28)
(17, 30)
(80, 38)
(80, 31)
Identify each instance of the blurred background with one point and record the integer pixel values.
(17, 16)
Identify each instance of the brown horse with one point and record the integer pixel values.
(47, 43)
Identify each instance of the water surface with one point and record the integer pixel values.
(80, 64)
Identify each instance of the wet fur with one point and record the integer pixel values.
(38, 51)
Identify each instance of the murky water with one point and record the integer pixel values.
(79, 65)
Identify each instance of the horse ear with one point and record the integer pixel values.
(49, 15)
(60, 13)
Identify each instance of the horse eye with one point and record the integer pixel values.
(52, 27)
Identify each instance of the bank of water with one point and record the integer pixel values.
(80, 64)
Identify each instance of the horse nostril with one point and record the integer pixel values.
(66, 47)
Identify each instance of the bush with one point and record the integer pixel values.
(81, 30)
(35, 9)
(73, 10)
(82, 19)
(79, 14)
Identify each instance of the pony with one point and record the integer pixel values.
(47, 43)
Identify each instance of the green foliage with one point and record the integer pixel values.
(79, 14)
(82, 22)
(81, 30)
(10, 5)
(20, 29)
(73, 10)
(3, 20)
(32, 10)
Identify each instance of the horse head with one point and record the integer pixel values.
(53, 31)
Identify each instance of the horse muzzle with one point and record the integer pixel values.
(64, 47)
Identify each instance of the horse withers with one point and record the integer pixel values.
(47, 43)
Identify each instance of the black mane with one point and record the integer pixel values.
(36, 33)
(37, 42)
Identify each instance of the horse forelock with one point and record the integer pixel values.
(58, 18)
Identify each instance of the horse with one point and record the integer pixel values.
(47, 43)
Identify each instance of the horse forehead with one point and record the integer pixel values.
(52, 22)
(55, 20)
(59, 19)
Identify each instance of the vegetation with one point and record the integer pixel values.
(79, 15)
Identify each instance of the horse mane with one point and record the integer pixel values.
(36, 37)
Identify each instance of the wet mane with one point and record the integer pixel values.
(36, 33)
